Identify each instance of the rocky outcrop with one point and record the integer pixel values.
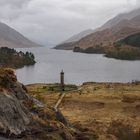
(22, 116)
(14, 117)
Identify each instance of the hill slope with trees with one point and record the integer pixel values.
(132, 40)
(12, 58)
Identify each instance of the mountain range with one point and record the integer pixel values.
(115, 29)
(11, 38)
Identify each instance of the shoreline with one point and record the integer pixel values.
(90, 82)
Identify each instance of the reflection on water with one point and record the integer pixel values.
(78, 68)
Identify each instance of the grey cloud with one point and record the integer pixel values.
(11, 9)
(137, 1)
(56, 20)
(14, 3)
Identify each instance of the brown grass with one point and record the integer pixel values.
(96, 105)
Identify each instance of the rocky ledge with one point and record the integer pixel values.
(25, 118)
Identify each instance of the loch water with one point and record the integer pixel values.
(78, 68)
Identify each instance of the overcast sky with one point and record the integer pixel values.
(56, 20)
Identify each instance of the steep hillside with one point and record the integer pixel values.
(106, 34)
(124, 16)
(13, 39)
(107, 37)
(127, 48)
(132, 40)
(78, 36)
(69, 43)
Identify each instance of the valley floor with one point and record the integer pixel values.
(110, 110)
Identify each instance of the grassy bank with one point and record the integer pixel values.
(111, 110)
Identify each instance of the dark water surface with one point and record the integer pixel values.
(78, 68)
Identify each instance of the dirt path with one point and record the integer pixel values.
(59, 101)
